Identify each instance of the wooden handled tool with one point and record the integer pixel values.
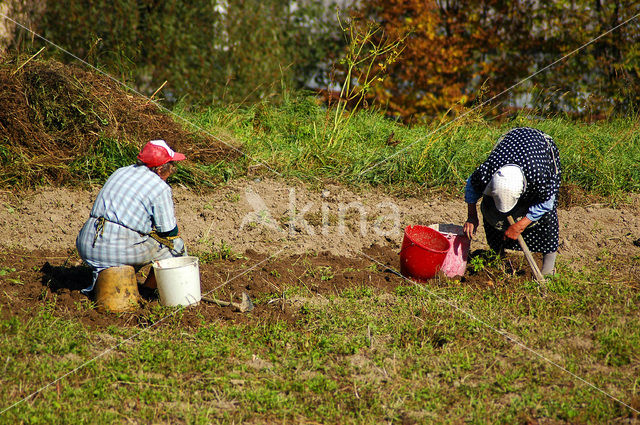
(245, 306)
(537, 274)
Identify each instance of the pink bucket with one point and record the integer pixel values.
(455, 263)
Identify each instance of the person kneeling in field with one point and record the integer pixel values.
(521, 179)
(132, 221)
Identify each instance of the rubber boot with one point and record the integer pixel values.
(151, 282)
(549, 263)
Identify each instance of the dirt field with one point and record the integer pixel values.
(263, 236)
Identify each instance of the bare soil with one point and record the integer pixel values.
(262, 236)
(256, 235)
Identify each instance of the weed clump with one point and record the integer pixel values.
(61, 123)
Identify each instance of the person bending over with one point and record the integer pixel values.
(520, 178)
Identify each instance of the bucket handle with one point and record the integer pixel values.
(186, 297)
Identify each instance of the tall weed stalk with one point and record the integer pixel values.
(369, 52)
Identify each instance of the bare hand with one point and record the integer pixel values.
(470, 227)
(517, 228)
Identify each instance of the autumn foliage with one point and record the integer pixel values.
(541, 55)
(574, 57)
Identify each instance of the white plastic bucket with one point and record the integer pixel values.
(455, 263)
(178, 280)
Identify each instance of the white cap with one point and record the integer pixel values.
(506, 187)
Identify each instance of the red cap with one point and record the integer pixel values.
(157, 152)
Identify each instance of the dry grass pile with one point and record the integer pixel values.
(54, 114)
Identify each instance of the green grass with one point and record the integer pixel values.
(360, 357)
(293, 139)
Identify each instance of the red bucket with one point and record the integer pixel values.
(423, 252)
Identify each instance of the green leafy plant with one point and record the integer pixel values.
(6, 270)
(485, 261)
(324, 273)
(221, 251)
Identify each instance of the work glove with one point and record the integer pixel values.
(179, 248)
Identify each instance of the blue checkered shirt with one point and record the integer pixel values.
(134, 201)
(138, 199)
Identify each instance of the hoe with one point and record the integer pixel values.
(244, 306)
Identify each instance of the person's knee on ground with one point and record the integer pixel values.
(549, 263)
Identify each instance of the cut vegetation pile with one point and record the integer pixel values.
(57, 118)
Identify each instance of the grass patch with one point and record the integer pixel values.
(75, 130)
(361, 356)
(293, 139)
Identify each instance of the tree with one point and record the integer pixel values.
(436, 64)
(461, 53)
(208, 51)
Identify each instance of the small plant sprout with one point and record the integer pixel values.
(233, 197)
